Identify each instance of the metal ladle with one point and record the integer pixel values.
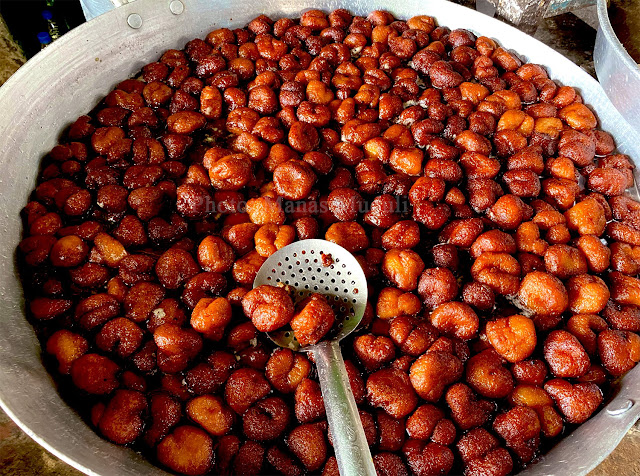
(320, 266)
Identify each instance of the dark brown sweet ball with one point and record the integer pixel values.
(520, 428)
(437, 286)
(373, 351)
(467, 409)
(268, 307)
(314, 320)
(543, 293)
(391, 390)
(193, 201)
(618, 350)
(423, 458)
(95, 374)
(403, 267)
(576, 402)
(245, 387)
(446, 256)
(188, 450)
(487, 375)
(294, 179)
(402, 235)
(345, 204)
(286, 370)
(432, 372)
(211, 413)
(411, 335)
(308, 443)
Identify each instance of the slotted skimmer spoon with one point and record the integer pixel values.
(320, 266)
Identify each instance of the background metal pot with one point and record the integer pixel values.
(69, 77)
(617, 72)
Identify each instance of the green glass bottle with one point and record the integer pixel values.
(52, 24)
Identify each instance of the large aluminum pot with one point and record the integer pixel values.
(69, 77)
(617, 72)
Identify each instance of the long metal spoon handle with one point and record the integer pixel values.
(349, 440)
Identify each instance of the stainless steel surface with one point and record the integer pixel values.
(69, 77)
(527, 14)
(300, 265)
(320, 266)
(349, 441)
(524, 13)
(618, 73)
(488, 7)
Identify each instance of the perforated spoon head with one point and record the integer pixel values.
(318, 266)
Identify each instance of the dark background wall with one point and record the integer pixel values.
(24, 19)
